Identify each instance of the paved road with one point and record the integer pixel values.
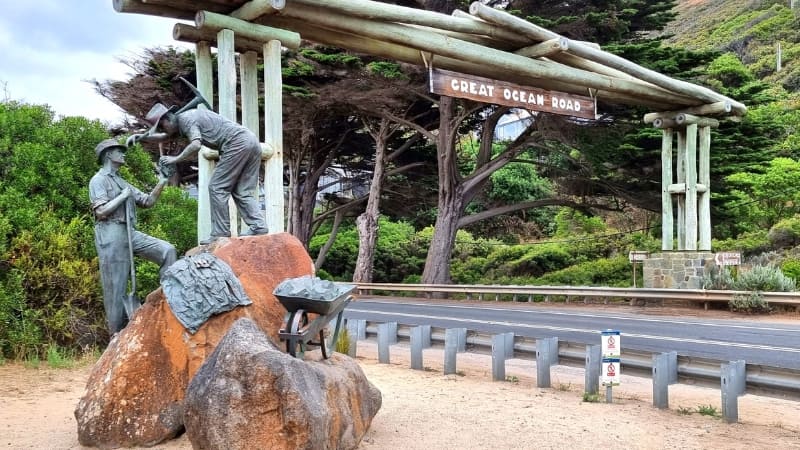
(756, 342)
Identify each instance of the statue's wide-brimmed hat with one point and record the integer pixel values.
(156, 113)
(105, 145)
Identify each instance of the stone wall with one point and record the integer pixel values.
(676, 270)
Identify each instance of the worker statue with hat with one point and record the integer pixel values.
(113, 203)
(236, 172)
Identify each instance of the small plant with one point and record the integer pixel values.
(752, 302)
(461, 373)
(512, 379)
(591, 398)
(32, 362)
(430, 369)
(59, 359)
(684, 411)
(343, 343)
(707, 410)
(564, 387)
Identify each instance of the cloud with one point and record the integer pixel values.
(51, 48)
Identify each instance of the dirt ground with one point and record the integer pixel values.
(426, 410)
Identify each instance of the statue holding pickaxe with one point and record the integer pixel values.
(236, 172)
(113, 203)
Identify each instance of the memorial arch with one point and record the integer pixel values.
(482, 44)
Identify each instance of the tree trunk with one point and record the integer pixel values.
(451, 201)
(367, 222)
(323, 252)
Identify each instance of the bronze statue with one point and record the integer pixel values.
(113, 202)
(236, 172)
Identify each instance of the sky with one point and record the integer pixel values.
(49, 48)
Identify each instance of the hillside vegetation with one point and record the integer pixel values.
(750, 29)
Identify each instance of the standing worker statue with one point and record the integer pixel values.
(236, 173)
(114, 202)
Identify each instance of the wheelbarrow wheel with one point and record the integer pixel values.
(297, 321)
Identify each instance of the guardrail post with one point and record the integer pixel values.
(509, 339)
(392, 333)
(383, 343)
(661, 376)
(740, 368)
(730, 386)
(553, 343)
(543, 360)
(450, 350)
(417, 338)
(352, 336)
(461, 334)
(499, 357)
(672, 359)
(426, 336)
(591, 374)
(362, 329)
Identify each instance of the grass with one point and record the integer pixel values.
(512, 379)
(564, 387)
(591, 398)
(708, 410)
(684, 411)
(60, 359)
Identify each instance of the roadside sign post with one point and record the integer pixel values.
(610, 352)
(637, 256)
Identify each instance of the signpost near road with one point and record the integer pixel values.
(610, 352)
(728, 258)
(637, 256)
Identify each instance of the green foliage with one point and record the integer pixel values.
(767, 197)
(764, 278)
(331, 56)
(719, 278)
(58, 358)
(791, 268)
(386, 69)
(708, 410)
(785, 233)
(751, 302)
(343, 342)
(570, 223)
(749, 243)
(601, 272)
(20, 333)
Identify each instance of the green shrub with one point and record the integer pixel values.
(719, 278)
(764, 278)
(749, 243)
(785, 234)
(791, 268)
(602, 272)
(752, 302)
(20, 333)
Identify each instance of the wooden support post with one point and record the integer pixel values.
(667, 228)
(273, 136)
(704, 178)
(205, 166)
(226, 69)
(248, 63)
(690, 167)
(680, 172)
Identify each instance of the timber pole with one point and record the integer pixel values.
(667, 227)
(205, 165)
(212, 21)
(187, 33)
(466, 51)
(226, 70)
(257, 8)
(273, 135)
(538, 33)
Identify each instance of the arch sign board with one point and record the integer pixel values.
(454, 84)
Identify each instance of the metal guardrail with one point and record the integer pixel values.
(572, 292)
(760, 380)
